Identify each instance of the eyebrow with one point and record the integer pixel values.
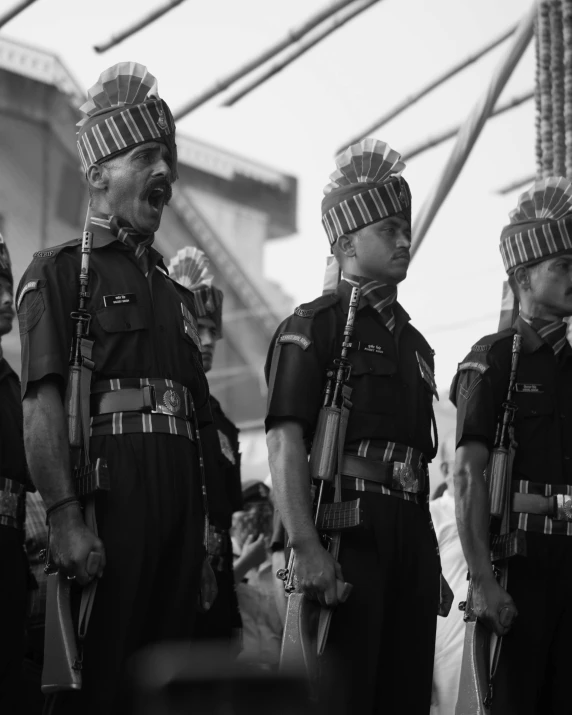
(394, 223)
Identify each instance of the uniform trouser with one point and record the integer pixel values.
(383, 637)
(151, 525)
(13, 603)
(223, 617)
(533, 676)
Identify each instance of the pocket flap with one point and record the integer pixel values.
(121, 318)
(364, 363)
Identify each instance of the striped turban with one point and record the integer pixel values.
(541, 225)
(190, 268)
(366, 187)
(124, 110)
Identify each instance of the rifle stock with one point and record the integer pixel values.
(62, 664)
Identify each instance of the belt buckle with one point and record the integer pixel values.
(563, 507)
(404, 477)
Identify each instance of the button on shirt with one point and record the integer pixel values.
(543, 396)
(126, 308)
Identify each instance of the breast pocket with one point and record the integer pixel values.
(373, 378)
(122, 342)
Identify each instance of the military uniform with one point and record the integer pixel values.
(150, 521)
(13, 564)
(533, 674)
(383, 636)
(222, 464)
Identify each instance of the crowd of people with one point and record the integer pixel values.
(125, 520)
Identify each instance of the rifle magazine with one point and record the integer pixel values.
(503, 546)
(339, 516)
(91, 478)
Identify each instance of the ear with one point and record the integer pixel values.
(97, 177)
(522, 278)
(346, 246)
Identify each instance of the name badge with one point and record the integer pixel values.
(529, 387)
(190, 325)
(119, 299)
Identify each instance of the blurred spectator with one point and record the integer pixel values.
(450, 630)
(255, 578)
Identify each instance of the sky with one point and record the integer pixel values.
(297, 120)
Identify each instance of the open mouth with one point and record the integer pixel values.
(157, 198)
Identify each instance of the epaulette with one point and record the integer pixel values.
(478, 358)
(309, 310)
(55, 250)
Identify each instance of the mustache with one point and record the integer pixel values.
(402, 254)
(159, 183)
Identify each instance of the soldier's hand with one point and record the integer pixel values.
(316, 574)
(445, 598)
(493, 606)
(75, 550)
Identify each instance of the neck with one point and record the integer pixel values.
(538, 312)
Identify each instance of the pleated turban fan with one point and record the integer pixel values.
(190, 268)
(366, 187)
(541, 225)
(123, 110)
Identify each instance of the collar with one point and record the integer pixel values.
(102, 236)
(531, 340)
(344, 290)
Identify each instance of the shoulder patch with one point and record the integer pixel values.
(304, 312)
(55, 250)
(473, 365)
(30, 285)
(296, 338)
(480, 348)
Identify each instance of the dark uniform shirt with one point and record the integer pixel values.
(143, 326)
(391, 395)
(543, 396)
(12, 455)
(222, 465)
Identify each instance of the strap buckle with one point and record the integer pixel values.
(149, 399)
(563, 507)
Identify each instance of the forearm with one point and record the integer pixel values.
(291, 483)
(472, 508)
(46, 443)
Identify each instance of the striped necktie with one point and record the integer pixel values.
(381, 297)
(125, 233)
(553, 333)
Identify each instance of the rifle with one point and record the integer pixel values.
(63, 646)
(481, 650)
(307, 623)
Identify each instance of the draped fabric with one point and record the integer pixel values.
(381, 297)
(125, 232)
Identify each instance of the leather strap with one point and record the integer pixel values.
(557, 506)
(386, 473)
(148, 399)
(86, 349)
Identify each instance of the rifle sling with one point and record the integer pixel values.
(86, 348)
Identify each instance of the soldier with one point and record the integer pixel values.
(221, 451)
(384, 635)
(148, 390)
(13, 481)
(533, 673)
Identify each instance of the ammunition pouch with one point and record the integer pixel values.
(399, 476)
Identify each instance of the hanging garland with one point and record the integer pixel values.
(557, 73)
(567, 70)
(545, 87)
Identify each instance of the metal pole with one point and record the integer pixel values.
(472, 128)
(293, 36)
(16, 10)
(514, 185)
(302, 49)
(416, 96)
(434, 141)
(147, 20)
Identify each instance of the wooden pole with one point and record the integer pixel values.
(144, 22)
(434, 141)
(471, 129)
(517, 184)
(424, 91)
(16, 10)
(293, 36)
(302, 49)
